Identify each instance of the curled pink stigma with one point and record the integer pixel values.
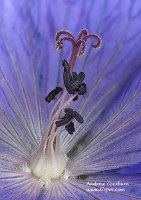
(78, 45)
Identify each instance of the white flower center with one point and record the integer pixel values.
(46, 167)
(49, 162)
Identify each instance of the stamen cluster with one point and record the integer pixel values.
(49, 162)
(74, 85)
(73, 82)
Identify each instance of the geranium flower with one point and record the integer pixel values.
(53, 146)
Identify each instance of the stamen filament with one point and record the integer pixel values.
(51, 123)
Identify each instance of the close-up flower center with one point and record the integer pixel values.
(49, 162)
(70, 100)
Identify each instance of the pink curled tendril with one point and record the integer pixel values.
(79, 45)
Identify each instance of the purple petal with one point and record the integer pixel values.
(115, 138)
(30, 68)
(18, 185)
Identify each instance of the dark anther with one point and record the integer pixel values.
(70, 128)
(69, 111)
(74, 75)
(73, 81)
(66, 65)
(67, 77)
(70, 114)
(74, 114)
(82, 89)
(77, 81)
(64, 120)
(53, 94)
(78, 117)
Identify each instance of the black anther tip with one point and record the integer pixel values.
(78, 117)
(47, 99)
(53, 94)
(69, 111)
(75, 98)
(70, 128)
(65, 64)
